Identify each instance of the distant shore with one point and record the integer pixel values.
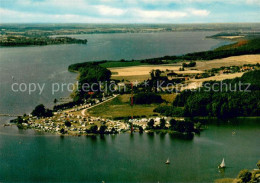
(76, 122)
(17, 41)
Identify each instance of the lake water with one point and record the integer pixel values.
(26, 155)
(30, 156)
(48, 64)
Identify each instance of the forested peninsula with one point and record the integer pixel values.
(39, 41)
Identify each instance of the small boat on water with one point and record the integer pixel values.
(222, 165)
(167, 161)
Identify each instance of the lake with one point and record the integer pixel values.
(27, 155)
(48, 64)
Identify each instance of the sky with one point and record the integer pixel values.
(129, 11)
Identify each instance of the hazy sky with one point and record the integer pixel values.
(129, 11)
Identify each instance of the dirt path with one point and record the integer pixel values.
(83, 112)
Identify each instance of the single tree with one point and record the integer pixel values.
(162, 123)
(67, 124)
(157, 73)
(93, 129)
(39, 111)
(19, 120)
(152, 74)
(62, 131)
(150, 124)
(141, 130)
(113, 130)
(102, 129)
(173, 124)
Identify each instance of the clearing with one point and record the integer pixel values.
(120, 107)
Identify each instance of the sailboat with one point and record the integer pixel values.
(167, 161)
(222, 165)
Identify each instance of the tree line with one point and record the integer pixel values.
(92, 74)
(27, 41)
(222, 102)
(251, 47)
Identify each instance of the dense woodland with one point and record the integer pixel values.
(90, 73)
(27, 41)
(222, 102)
(147, 98)
(251, 46)
(41, 111)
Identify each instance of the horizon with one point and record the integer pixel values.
(129, 11)
(108, 23)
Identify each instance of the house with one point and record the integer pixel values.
(246, 68)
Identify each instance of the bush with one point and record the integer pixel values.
(170, 111)
(255, 176)
(183, 126)
(191, 64)
(19, 120)
(92, 129)
(147, 98)
(102, 129)
(173, 123)
(258, 164)
(245, 176)
(40, 111)
(162, 123)
(67, 124)
(62, 131)
(150, 124)
(141, 130)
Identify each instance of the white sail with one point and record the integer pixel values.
(222, 165)
(168, 161)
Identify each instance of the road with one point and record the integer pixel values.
(84, 110)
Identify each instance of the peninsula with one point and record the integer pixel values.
(18, 40)
(135, 102)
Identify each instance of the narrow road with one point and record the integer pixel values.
(84, 110)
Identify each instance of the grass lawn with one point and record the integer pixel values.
(120, 107)
(169, 97)
(224, 180)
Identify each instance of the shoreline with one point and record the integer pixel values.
(75, 117)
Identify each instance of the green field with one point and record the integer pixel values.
(120, 108)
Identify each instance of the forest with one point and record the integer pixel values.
(90, 74)
(27, 41)
(251, 46)
(228, 98)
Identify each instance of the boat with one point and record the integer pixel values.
(222, 165)
(167, 161)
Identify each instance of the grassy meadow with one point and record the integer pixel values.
(120, 107)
